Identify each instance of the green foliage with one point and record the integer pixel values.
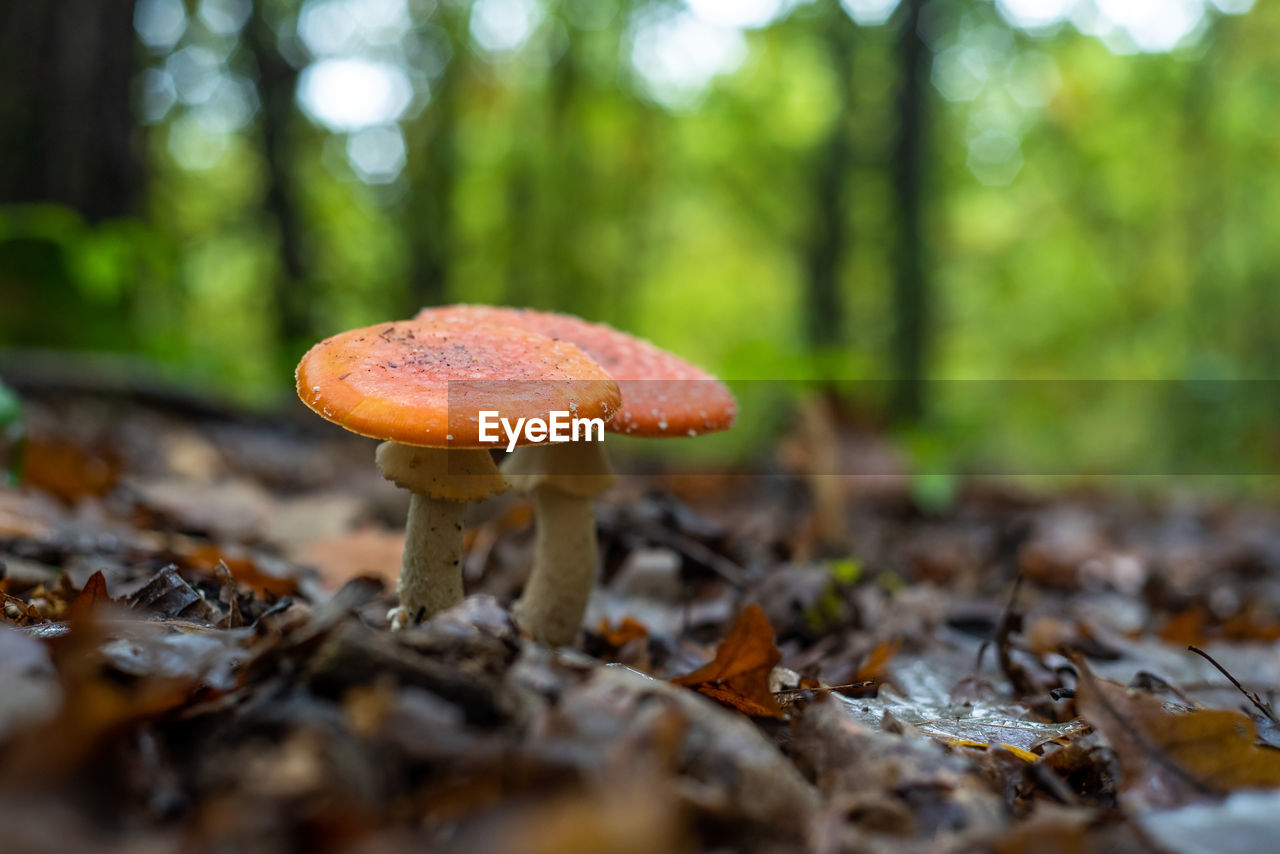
(832, 605)
(847, 571)
(1130, 237)
(12, 435)
(933, 491)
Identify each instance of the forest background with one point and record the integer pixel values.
(1036, 236)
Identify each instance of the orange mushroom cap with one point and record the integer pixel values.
(662, 394)
(424, 383)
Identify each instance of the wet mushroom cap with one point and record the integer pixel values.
(662, 394)
(423, 383)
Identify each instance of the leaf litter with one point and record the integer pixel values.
(194, 655)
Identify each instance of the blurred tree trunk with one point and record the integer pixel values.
(633, 207)
(631, 196)
(911, 286)
(432, 167)
(522, 222)
(569, 200)
(828, 233)
(277, 80)
(67, 130)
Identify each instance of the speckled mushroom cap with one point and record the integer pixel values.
(662, 394)
(423, 383)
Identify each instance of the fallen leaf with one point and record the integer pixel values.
(96, 707)
(1241, 824)
(1185, 627)
(16, 611)
(27, 514)
(628, 629)
(92, 595)
(1170, 758)
(740, 778)
(738, 677)
(895, 787)
(231, 510)
(70, 472)
(873, 667)
(632, 818)
(926, 704)
(168, 595)
(1024, 755)
(243, 569)
(31, 692)
(364, 551)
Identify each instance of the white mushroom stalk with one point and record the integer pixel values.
(562, 479)
(441, 481)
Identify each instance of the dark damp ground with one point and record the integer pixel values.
(194, 658)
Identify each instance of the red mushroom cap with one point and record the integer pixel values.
(662, 394)
(423, 383)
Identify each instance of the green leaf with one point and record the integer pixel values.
(13, 439)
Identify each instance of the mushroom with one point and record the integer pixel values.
(662, 395)
(419, 387)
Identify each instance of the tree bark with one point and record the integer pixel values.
(828, 235)
(67, 129)
(432, 167)
(911, 286)
(277, 82)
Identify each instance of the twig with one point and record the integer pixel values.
(696, 551)
(824, 688)
(1012, 670)
(1265, 708)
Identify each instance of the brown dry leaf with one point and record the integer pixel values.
(1170, 758)
(244, 570)
(1195, 626)
(1248, 626)
(873, 668)
(92, 595)
(27, 514)
(633, 818)
(865, 679)
(1185, 627)
(96, 708)
(168, 595)
(364, 551)
(1049, 830)
(628, 629)
(69, 472)
(16, 611)
(738, 677)
(229, 510)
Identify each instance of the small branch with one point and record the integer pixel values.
(1012, 670)
(1265, 708)
(789, 691)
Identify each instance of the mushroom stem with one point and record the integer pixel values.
(440, 481)
(430, 578)
(564, 567)
(562, 478)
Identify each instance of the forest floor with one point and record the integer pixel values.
(194, 657)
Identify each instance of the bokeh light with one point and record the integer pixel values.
(676, 54)
(159, 23)
(377, 154)
(225, 17)
(351, 94)
(501, 26)
(869, 13)
(741, 14)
